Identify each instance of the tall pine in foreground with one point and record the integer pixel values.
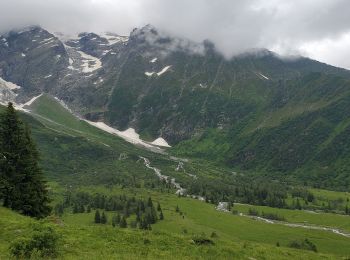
(22, 187)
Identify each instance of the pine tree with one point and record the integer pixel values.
(161, 216)
(21, 180)
(177, 209)
(158, 207)
(123, 223)
(103, 218)
(150, 203)
(115, 220)
(118, 219)
(81, 208)
(142, 206)
(75, 209)
(97, 217)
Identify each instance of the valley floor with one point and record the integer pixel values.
(236, 237)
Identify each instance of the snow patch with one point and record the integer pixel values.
(113, 38)
(153, 60)
(149, 74)
(163, 70)
(48, 76)
(22, 54)
(161, 142)
(128, 135)
(9, 84)
(30, 101)
(262, 75)
(90, 63)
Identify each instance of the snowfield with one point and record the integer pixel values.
(113, 39)
(129, 135)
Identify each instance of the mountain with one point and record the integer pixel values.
(284, 117)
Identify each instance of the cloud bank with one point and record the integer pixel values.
(319, 29)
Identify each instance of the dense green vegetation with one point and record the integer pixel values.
(98, 184)
(22, 187)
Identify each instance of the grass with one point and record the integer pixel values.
(81, 239)
(69, 142)
(200, 217)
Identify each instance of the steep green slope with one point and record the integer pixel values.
(312, 147)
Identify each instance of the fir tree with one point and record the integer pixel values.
(103, 218)
(142, 206)
(114, 221)
(123, 223)
(118, 218)
(161, 216)
(158, 207)
(97, 217)
(75, 209)
(150, 203)
(21, 180)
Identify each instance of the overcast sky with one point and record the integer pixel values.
(319, 29)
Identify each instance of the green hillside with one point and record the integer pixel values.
(235, 236)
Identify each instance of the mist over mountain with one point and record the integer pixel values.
(157, 129)
(318, 30)
(188, 94)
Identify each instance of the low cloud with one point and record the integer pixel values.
(316, 28)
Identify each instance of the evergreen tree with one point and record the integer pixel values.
(158, 207)
(142, 206)
(161, 216)
(103, 218)
(123, 223)
(118, 219)
(97, 217)
(88, 209)
(150, 203)
(114, 221)
(22, 187)
(75, 209)
(177, 209)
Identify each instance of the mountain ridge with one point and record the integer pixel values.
(190, 95)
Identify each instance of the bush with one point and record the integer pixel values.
(202, 240)
(253, 212)
(42, 242)
(272, 216)
(306, 245)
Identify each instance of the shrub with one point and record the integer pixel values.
(202, 240)
(42, 242)
(253, 212)
(306, 245)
